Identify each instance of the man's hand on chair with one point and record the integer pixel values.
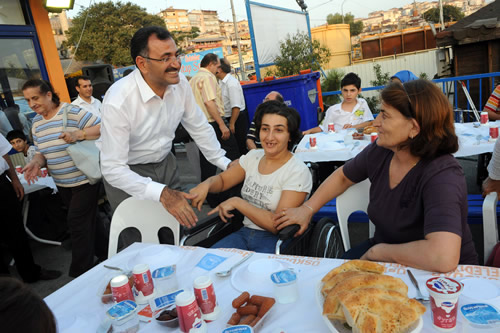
(490, 185)
(176, 203)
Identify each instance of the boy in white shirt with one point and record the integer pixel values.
(353, 112)
(20, 143)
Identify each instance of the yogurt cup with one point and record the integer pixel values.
(239, 329)
(444, 293)
(124, 317)
(480, 317)
(165, 279)
(285, 286)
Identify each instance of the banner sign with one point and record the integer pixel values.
(191, 61)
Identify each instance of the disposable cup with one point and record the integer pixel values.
(444, 293)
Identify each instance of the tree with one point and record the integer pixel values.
(381, 79)
(332, 83)
(450, 13)
(299, 52)
(355, 27)
(108, 30)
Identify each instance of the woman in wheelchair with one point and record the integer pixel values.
(273, 178)
(418, 193)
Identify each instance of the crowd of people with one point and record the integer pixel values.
(418, 194)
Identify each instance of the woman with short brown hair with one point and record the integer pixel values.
(418, 194)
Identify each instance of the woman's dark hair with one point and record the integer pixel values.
(423, 101)
(291, 115)
(139, 42)
(22, 310)
(44, 86)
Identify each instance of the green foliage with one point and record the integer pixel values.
(108, 31)
(297, 53)
(450, 13)
(355, 27)
(332, 83)
(423, 75)
(381, 79)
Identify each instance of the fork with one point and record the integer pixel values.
(419, 297)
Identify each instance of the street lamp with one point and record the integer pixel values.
(342, 10)
(302, 5)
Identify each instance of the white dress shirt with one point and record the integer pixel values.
(232, 95)
(93, 107)
(138, 127)
(5, 147)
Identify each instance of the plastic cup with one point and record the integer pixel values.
(205, 297)
(19, 168)
(165, 279)
(444, 293)
(373, 137)
(312, 142)
(120, 289)
(484, 118)
(124, 317)
(189, 313)
(143, 283)
(44, 172)
(493, 131)
(331, 128)
(285, 286)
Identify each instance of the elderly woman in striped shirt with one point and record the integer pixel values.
(51, 141)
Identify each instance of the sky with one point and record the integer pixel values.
(318, 9)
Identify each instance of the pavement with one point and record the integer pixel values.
(59, 257)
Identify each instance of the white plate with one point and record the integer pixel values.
(336, 325)
(255, 277)
(479, 289)
(155, 256)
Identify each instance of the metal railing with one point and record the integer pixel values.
(450, 86)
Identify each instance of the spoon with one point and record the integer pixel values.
(419, 296)
(228, 272)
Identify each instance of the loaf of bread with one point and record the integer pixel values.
(331, 306)
(380, 310)
(355, 265)
(369, 130)
(330, 284)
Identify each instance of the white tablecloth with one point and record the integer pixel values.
(77, 306)
(332, 147)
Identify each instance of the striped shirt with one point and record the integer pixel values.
(46, 134)
(205, 88)
(493, 103)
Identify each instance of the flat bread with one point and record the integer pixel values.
(379, 310)
(355, 265)
(331, 306)
(330, 284)
(369, 130)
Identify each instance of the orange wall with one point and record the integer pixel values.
(49, 49)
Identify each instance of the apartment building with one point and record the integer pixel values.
(176, 19)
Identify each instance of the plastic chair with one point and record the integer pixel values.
(147, 216)
(490, 226)
(355, 198)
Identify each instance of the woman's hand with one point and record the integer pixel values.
(201, 192)
(31, 172)
(70, 137)
(225, 208)
(288, 216)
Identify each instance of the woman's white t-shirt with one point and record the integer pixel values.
(360, 113)
(264, 191)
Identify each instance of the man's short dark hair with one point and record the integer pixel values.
(225, 66)
(139, 42)
(208, 59)
(351, 78)
(16, 134)
(81, 77)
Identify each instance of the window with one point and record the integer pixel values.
(11, 12)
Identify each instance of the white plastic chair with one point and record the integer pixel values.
(490, 227)
(147, 216)
(355, 198)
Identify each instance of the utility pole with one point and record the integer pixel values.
(237, 36)
(441, 19)
(342, 11)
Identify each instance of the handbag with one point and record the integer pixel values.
(84, 154)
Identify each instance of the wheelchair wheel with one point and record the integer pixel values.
(326, 240)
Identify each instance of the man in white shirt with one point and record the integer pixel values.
(234, 104)
(139, 116)
(85, 100)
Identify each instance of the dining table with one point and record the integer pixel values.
(473, 139)
(77, 306)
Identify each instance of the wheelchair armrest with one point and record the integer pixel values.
(288, 232)
(203, 224)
